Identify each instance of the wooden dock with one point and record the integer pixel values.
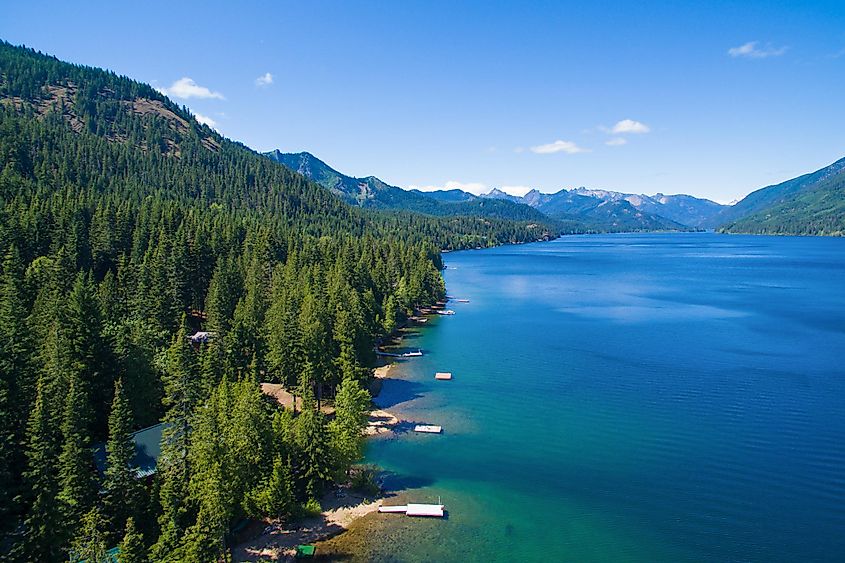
(431, 510)
(443, 375)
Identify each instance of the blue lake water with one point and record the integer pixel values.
(672, 397)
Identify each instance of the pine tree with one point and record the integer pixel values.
(88, 355)
(275, 498)
(352, 406)
(132, 548)
(214, 480)
(77, 480)
(15, 385)
(89, 544)
(42, 540)
(120, 484)
(313, 442)
(181, 397)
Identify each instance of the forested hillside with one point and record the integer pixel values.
(812, 204)
(125, 227)
(372, 192)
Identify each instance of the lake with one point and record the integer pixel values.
(637, 397)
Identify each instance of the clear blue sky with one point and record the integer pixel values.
(733, 95)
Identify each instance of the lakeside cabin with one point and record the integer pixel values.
(147, 451)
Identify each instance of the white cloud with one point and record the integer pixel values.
(186, 88)
(205, 120)
(558, 146)
(516, 190)
(629, 126)
(752, 50)
(616, 142)
(476, 188)
(264, 80)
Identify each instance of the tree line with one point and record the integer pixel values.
(124, 230)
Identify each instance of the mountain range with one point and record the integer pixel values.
(573, 211)
(810, 204)
(374, 193)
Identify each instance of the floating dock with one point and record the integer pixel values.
(414, 354)
(442, 375)
(432, 510)
(392, 509)
(428, 428)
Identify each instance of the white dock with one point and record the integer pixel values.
(432, 510)
(435, 510)
(391, 509)
(428, 428)
(442, 375)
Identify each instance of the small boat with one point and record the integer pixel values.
(428, 428)
(445, 312)
(412, 354)
(443, 375)
(462, 300)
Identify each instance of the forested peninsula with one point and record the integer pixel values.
(126, 228)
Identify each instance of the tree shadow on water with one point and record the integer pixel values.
(397, 391)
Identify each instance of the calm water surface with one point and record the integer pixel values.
(671, 397)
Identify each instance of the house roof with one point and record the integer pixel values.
(147, 451)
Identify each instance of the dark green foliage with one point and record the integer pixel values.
(89, 543)
(121, 490)
(316, 459)
(16, 383)
(132, 549)
(76, 464)
(42, 539)
(812, 204)
(126, 227)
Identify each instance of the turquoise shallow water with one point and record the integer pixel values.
(673, 397)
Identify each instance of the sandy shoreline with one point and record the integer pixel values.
(279, 544)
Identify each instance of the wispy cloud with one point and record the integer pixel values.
(568, 147)
(616, 142)
(186, 88)
(476, 188)
(753, 50)
(629, 126)
(265, 80)
(205, 120)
